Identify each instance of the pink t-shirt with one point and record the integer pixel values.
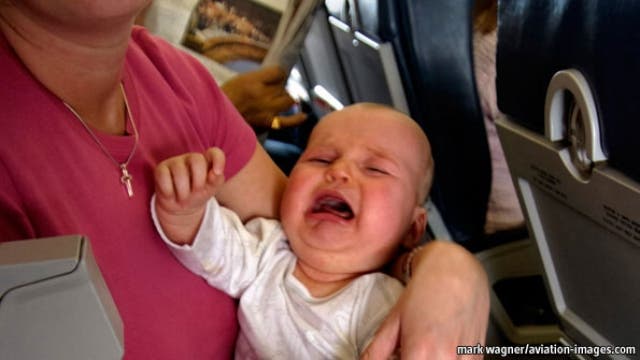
(54, 179)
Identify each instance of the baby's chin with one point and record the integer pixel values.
(336, 262)
(323, 269)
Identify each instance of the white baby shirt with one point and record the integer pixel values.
(279, 319)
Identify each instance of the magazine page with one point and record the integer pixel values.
(169, 18)
(236, 33)
(285, 50)
(231, 36)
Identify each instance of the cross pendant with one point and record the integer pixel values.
(126, 179)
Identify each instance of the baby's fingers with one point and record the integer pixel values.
(215, 157)
(164, 183)
(197, 166)
(181, 177)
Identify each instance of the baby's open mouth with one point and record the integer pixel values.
(333, 205)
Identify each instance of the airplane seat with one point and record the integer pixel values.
(567, 73)
(440, 69)
(417, 56)
(321, 67)
(54, 303)
(364, 38)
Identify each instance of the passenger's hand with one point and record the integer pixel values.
(260, 95)
(445, 305)
(184, 184)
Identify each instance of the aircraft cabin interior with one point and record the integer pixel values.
(565, 74)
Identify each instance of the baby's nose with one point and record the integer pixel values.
(338, 171)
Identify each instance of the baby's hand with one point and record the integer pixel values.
(184, 184)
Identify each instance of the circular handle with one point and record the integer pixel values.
(571, 117)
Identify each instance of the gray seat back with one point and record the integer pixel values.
(566, 78)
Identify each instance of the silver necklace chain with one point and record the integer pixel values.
(125, 178)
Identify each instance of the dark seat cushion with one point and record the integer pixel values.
(599, 38)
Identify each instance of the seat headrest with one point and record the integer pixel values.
(601, 39)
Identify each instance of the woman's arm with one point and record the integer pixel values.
(256, 189)
(445, 305)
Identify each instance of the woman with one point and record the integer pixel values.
(89, 106)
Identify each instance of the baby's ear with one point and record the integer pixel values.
(417, 228)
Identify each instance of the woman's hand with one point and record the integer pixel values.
(445, 305)
(260, 95)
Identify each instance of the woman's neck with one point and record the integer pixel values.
(82, 68)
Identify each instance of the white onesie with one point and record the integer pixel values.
(279, 319)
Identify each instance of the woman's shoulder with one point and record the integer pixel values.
(149, 52)
(168, 76)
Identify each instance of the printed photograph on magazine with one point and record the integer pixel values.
(234, 33)
(232, 36)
